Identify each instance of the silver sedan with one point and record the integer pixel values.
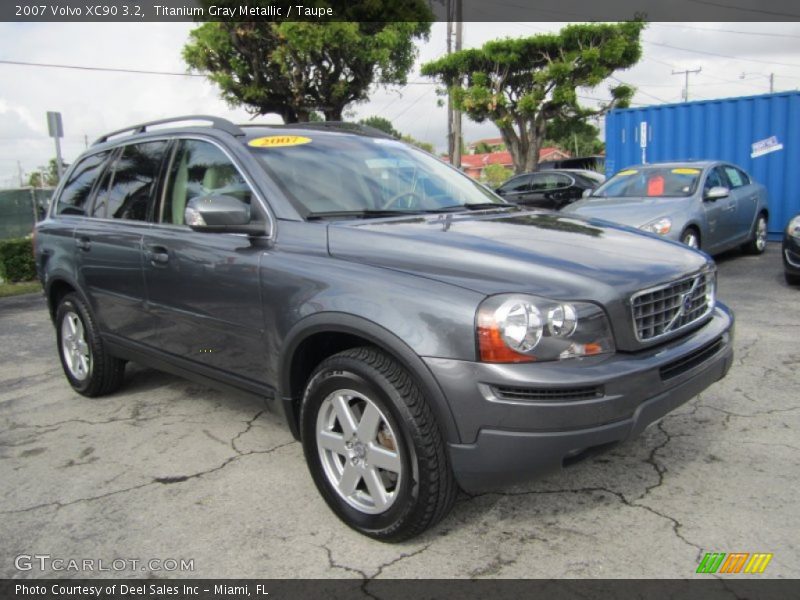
(711, 205)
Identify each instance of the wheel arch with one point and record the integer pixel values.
(319, 336)
(56, 288)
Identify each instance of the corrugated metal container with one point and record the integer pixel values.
(759, 133)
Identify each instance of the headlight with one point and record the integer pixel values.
(794, 227)
(514, 328)
(661, 226)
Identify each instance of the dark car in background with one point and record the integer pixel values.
(791, 251)
(417, 332)
(551, 189)
(711, 205)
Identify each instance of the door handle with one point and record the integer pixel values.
(83, 243)
(158, 255)
(731, 207)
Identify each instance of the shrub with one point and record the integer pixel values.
(16, 260)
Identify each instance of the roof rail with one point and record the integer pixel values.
(335, 126)
(216, 123)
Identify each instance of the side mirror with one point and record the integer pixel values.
(716, 193)
(586, 193)
(220, 214)
(500, 192)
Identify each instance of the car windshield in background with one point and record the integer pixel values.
(328, 176)
(656, 182)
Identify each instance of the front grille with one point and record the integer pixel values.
(547, 394)
(658, 312)
(691, 360)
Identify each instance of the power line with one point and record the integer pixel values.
(750, 10)
(105, 69)
(754, 60)
(761, 33)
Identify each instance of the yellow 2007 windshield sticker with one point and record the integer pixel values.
(278, 141)
(686, 171)
(627, 172)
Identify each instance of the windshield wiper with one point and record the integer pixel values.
(358, 214)
(475, 206)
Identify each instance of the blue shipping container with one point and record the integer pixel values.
(759, 133)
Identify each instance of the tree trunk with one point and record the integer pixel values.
(334, 114)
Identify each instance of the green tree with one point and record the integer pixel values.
(294, 68)
(575, 135)
(522, 84)
(495, 174)
(419, 144)
(45, 176)
(382, 124)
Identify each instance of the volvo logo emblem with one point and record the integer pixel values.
(684, 306)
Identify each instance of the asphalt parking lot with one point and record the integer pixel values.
(167, 469)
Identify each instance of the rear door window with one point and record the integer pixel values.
(129, 187)
(519, 184)
(737, 177)
(76, 192)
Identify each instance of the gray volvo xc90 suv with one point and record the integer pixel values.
(418, 332)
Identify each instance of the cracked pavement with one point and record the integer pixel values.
(167, 468)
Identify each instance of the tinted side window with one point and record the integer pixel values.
(549, 181)
(201, 169)
(77, 190)
(520, 184)
(131, 183)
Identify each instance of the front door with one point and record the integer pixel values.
(204, 288)
(720, 213)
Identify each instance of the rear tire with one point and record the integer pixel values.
(373, 446)
(90, 370)
(791, 279)
(758, 243)
(691, 237)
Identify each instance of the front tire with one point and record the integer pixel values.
(373, 446)
(691, 237)
(90, 370)
(791, 278)
(758, 243)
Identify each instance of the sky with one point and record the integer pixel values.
(736, 60)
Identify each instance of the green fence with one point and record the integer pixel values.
(20, 209)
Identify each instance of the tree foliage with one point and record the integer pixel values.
(571, 132)
(384, 125)
(295, 68)
(44, 176)
(522, 84)
(495, 174)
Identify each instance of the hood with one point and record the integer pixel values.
(545, 253)
(634, 212)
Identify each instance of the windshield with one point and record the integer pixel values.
(658, 182)
(328, 175)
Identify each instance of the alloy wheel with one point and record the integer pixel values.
(359, 451)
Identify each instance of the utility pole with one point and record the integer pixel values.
(449, 10)
(686, 73)
(19, 171)
(457, 141)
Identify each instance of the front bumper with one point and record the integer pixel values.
(791, 255)
(517, 421)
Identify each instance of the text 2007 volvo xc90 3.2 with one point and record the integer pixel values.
(418, 332)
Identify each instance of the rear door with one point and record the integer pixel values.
(109, 242)
(203, 288)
